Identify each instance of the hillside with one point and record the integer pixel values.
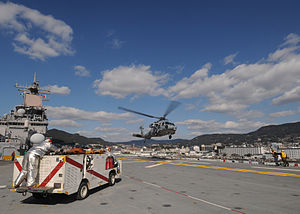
(62, 137)
(274, 133)
(289, 132)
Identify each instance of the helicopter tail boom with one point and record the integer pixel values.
(137, 135)
(140, 136)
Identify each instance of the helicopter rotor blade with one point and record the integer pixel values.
(129, 110)
(172, 106)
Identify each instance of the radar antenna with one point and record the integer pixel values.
(33, 89)
(33, 94)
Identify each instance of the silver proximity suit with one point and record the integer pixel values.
(31, 162)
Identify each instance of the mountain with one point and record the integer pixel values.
(289, 132)
(62, 137)
(279, 131)
(285, 133)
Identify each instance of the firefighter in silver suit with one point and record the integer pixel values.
(32, 158)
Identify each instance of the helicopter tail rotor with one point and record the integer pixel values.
(142, 130)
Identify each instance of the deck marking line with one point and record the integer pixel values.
(217, 167)
(174, 191)
(130, 161)
(182, 194)
(153, 165)
(207, 202)
(2, 186)
(199, 162)
(136, 179)
(237, 211)
(155, 185)
(293, 170)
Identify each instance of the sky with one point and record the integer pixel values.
(233, 65)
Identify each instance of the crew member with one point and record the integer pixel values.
(111, 158)
(32, 158)
(13, 154)
(284, 158)
(275, 155)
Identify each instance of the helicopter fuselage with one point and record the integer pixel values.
(158, 129)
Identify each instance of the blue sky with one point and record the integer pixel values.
(233, 65)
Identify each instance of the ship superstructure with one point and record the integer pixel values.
(17, 126)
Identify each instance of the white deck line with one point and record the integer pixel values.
(153, 165)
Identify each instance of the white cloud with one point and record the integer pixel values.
(114, 41)
(178, 68)
(107, 129)
(138, 121)
(190, 106)
(220, 107)
(130, 80)
(64, 123)
(212, 126)
(282, 113)
(110, 33)
(191, 87)
(230, 59)
(81, 71)
(72, 113)
(291, 39)
(248, 114)
(117, 137)
(108, 134)
(291, 96)
(55, 35)
(63, 90)
(117, 44)
(237, 89)
(282, 54)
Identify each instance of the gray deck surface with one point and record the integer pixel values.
(180, 186)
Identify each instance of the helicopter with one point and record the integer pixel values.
(158, 128)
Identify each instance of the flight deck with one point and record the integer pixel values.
(174, 186)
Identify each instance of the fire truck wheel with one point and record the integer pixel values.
(83, 191)
(112, 179)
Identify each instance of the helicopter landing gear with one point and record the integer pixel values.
(170, 137)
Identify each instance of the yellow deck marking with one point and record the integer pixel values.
(217, 167)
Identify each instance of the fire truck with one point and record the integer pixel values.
(69, 174)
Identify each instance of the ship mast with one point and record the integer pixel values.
(33, 89)
(33, 95)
